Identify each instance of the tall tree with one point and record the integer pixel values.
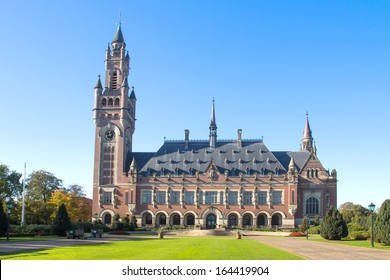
(62, 221)
(41, 186)
(353, 212)
(74, 201)
(333, 226)
(9, 183)
(3, 219)
(382, 224)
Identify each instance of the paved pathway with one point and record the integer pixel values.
(313, 250)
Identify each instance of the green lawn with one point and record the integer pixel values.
(185, 248)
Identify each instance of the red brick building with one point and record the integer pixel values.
(238, 183)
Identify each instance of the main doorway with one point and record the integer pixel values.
(211, 221)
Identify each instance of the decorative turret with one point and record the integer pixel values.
(291, 166)
(133, 167)
(307, 139)
(213, 128)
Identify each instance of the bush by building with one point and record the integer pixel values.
(333, 226)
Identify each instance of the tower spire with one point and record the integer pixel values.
(213, 127)
(307, 139)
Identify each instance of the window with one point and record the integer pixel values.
(126, 197)
(200, 197)
(221, 197)
(277, 197)
(175, 197)
(247, 198)
(211, 197)
(261, 197)
(148, 219)
(116, 101)
(114, 81)
(160, 197)
(292, 197)
(312, 206)
(107, 197)
(233, 197)
(189, 197)
(146, 197)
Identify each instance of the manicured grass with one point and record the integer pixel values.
(29, 238)
(185, 248)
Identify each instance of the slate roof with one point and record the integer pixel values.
(253, 157)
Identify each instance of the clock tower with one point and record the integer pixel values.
(114, 116)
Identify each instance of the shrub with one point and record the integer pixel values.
(296, 234)
(354, 227)
(333, 226)
(314, 230)
(359, 235)
(304, 226)
(62, 221)
(382, 224)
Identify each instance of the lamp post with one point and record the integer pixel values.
(371, 207)
(9, 206)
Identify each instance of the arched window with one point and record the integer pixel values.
(262, 220)
(162, 219)
(190, 220)
(232, 220)
(148, 219)
(104, 102)
(114, 81)
(308, 173)
(276, 220)
(107, 219)
(110, 102)
(247, 220)
(176, 220)
(312, 206)
(316, 173)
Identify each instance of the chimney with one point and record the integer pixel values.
(239, 139)
(187, 138)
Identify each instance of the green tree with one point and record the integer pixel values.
(305, 225)
(354, 213)
(3, 219)
(317, 220)
(9, 183)
(41, 186)
(382, 224)
(62, 221)
(333, 226)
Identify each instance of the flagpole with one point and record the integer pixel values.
(23, 190)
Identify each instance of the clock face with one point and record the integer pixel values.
(109, 135)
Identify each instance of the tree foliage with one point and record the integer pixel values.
(333, 226)
(305, 225)
(3, 219)
(9, 183)
(382, 224)
(62, 221)
(41, 186)
(354, 213)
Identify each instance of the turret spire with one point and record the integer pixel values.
(99, 83)
(307, 139)
(213, 128)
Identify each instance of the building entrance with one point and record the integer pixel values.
(211, 221)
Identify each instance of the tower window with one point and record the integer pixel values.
(110, 102)
(117, 102)
(114, 81)
(104, 102)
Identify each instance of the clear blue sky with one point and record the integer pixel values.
(265, 62)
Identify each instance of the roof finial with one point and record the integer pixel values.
(120, 20)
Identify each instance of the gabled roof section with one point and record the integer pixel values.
(300, 158)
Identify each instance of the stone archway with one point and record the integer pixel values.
(232, 220)
(276, 220)
(211, 221)
(107, 219)
(190, 220)
(262, 220)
